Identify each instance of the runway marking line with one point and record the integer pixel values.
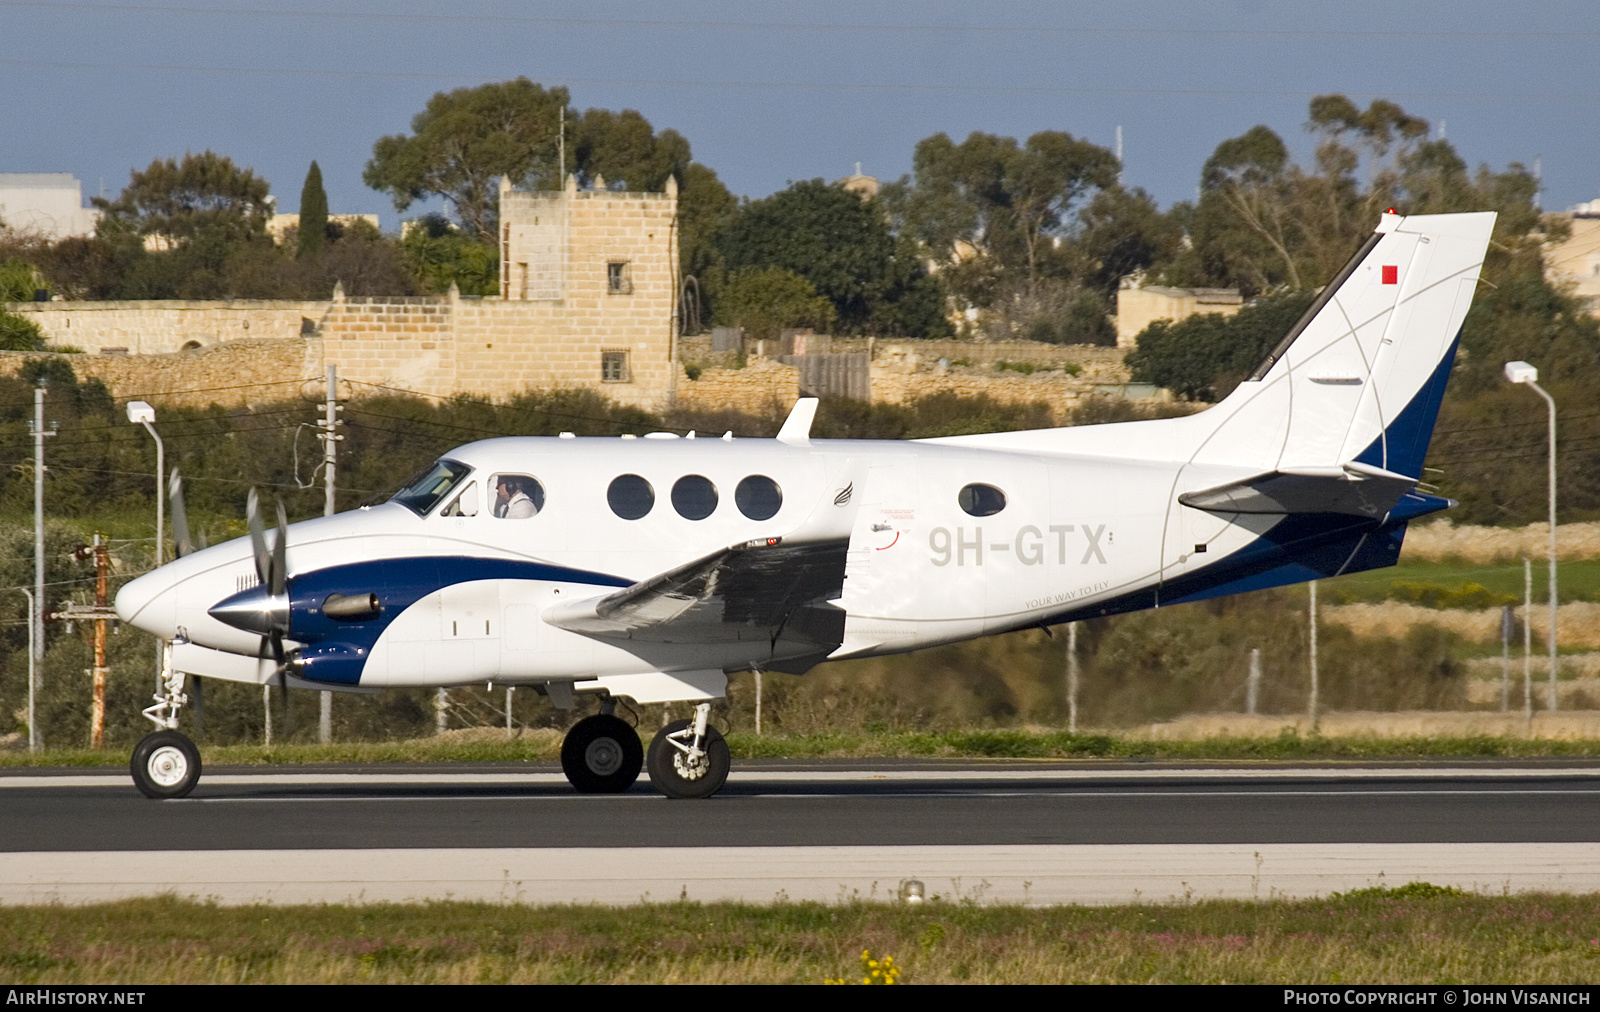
(843, 776)
(1077, 795)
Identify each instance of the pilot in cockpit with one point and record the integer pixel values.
(511, 498)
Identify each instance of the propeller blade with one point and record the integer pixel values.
(283, 681)
(258, 536)
(280, 557)
(181, 543)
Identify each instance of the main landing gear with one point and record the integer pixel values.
(603, 755)
(166, 764)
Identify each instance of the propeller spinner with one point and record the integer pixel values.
(264, 608)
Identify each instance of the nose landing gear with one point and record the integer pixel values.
(166, 764)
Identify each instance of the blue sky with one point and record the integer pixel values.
(771, 92)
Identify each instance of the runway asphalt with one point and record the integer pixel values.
(1027, 832)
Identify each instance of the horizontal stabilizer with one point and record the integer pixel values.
(756, 591)
(1356, 490)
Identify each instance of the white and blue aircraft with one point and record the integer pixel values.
(649, 569)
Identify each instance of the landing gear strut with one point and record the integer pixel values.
(166, 764)
(688, 758)
(602, 754)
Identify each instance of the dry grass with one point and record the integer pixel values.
(1578, 623)
(1442, 541)
(1356, 725)
(1408, 935)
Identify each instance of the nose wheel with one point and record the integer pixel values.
(165, 764)
(602, 755)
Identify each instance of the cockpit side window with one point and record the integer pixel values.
(426, 492)
(517, 496)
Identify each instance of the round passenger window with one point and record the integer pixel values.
(758, 497)
(630, 496)
(981, 500)
(694, 497)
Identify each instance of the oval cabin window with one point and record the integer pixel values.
(981, 500)
(630, 496)
(694, 497)
(758, 497)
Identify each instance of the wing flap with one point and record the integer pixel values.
(755, 591)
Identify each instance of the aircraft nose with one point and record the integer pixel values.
(149, 603)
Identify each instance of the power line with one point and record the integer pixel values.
(836, 86)
(961, 30)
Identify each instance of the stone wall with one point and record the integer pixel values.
(762, 388)
(234, 373)
(158, 326)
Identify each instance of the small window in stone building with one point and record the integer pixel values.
(614, 367)
(619, 280)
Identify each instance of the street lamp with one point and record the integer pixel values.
(33, 723)
(142, 413)
(1522, 372)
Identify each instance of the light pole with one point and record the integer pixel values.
(33, 724)
(142, 413)
(1522, 372)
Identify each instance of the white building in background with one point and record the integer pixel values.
(1575, 262)
(47, 203)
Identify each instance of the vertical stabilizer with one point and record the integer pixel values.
(1359, 378)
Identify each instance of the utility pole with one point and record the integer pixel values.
(330, 465)
(102, 569)
(100, 614)
(38, 521)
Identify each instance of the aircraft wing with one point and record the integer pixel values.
(758, 591)
(1355, 489)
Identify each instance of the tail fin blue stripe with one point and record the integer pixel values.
(1411, 431)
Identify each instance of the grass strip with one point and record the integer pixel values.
(992, 744)
(1415, 934)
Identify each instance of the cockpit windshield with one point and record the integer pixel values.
(424, 492)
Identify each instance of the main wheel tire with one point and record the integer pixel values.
(675, 777)
(165, 764)
(602, 755)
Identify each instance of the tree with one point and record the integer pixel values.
(1123, 232)
(625, 150)
(205, 197)
(843, 246)
(464, 141)
(18, 280)
(313, 216)
(438, 255)
(1205, 356)
(765, 300)
(989, 197)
